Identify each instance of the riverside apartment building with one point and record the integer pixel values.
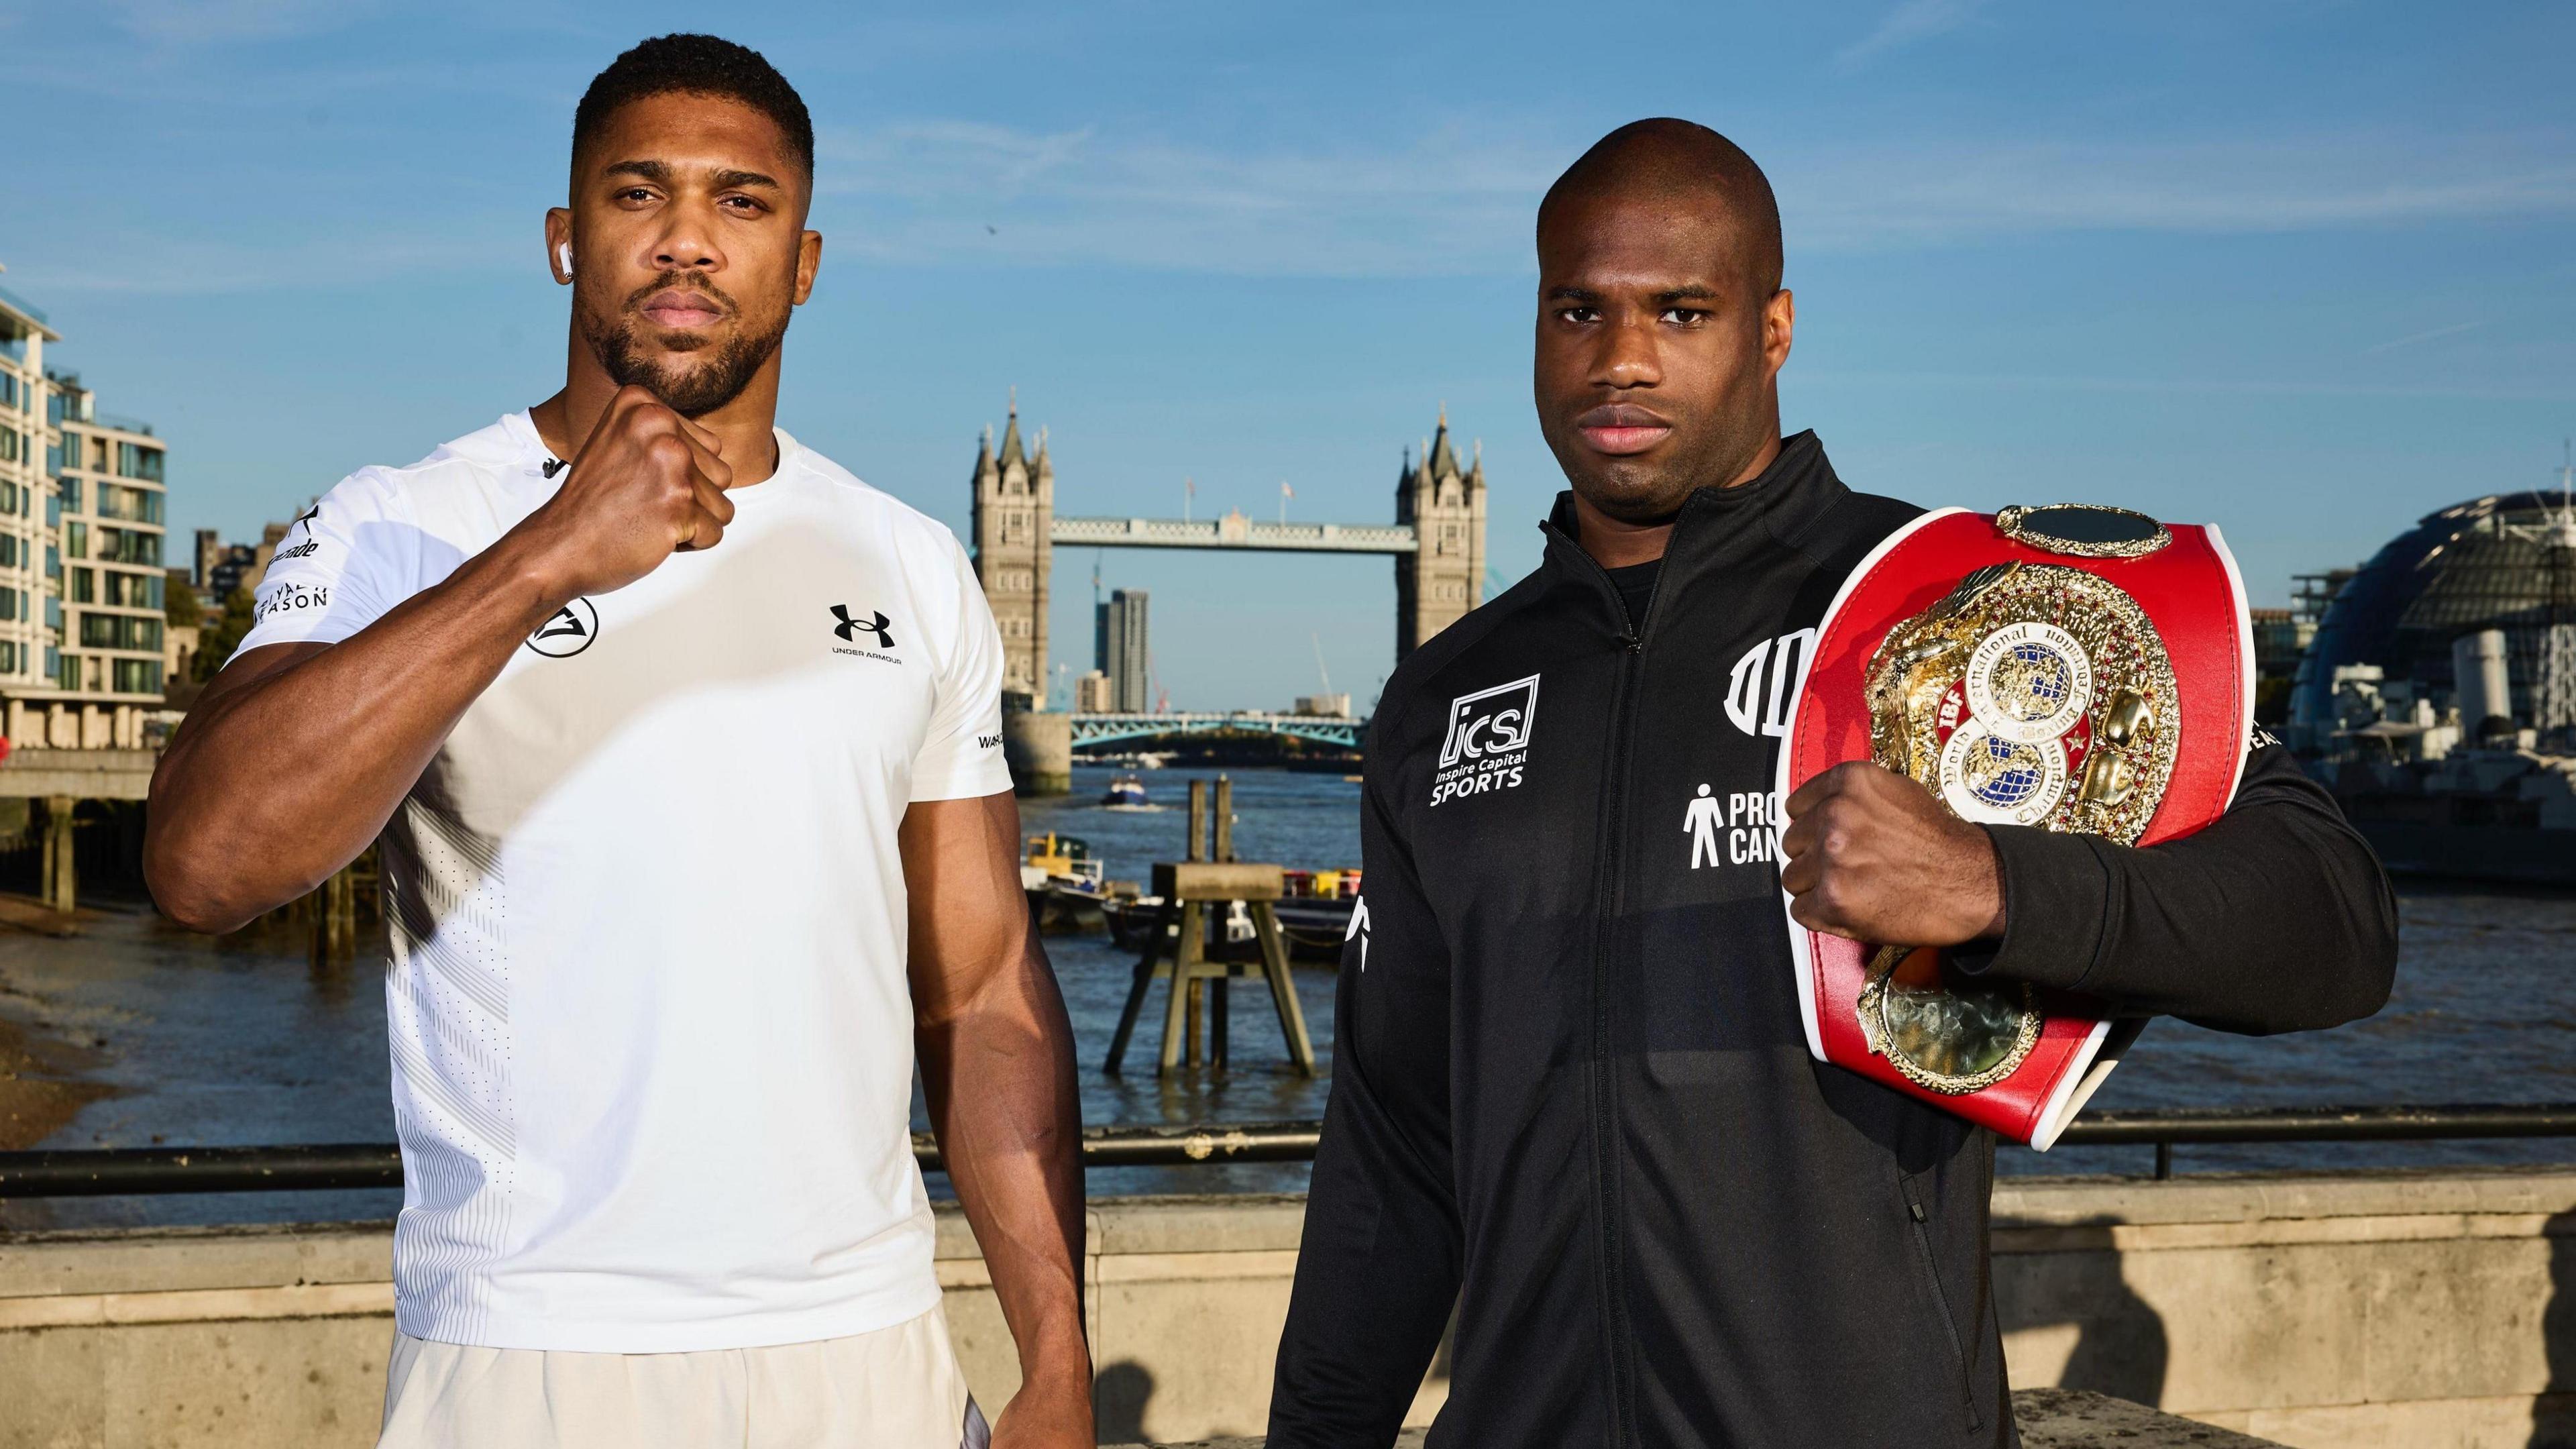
(82, 501)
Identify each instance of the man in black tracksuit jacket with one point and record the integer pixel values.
(1571, 1097)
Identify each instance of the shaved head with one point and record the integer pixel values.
(1662, 327)
(1681, 165)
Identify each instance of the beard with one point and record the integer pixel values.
(691, 389)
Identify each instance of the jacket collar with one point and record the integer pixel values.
(1717, 525)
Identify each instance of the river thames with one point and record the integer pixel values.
(181, 1039)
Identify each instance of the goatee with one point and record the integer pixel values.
(690, 391)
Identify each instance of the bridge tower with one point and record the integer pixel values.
(1444, 577)
(1015, 550)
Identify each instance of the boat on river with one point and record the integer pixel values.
(1064, 882)
(1126, 792)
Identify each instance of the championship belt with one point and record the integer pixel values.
(2070, 668)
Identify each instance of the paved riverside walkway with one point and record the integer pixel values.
(2049, 1419)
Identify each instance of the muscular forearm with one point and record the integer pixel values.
(2275, 918)
(281, 778)
(1000, 1081)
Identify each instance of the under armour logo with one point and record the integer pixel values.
(850, 629)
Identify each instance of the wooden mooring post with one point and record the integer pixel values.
(335, 918)
(1210, 877)
(62, 867)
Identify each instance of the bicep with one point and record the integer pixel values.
(967, 916)
(250, 666)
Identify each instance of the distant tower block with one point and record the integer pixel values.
(1014, 550)
(1444, 577)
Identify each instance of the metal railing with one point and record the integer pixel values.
(118, 1171)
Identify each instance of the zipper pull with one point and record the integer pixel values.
(1636, 644)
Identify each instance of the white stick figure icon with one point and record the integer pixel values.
(1700, 821)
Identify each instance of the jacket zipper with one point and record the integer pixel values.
(1609, 890)
(1920, 1221)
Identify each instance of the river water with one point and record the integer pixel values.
(218, 1043)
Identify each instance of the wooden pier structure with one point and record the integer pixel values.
(1198, 1008)
(93, 754)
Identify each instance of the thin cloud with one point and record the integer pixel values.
(1459, 200)
(928, 191)
(2454, 330)
(1864, 198)
(1915, 20)
(2173, 386)
(1455, 201)
(196, 22)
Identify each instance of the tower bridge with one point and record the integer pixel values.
(1437, 541)
(1109, 729)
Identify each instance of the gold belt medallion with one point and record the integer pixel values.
(2033, 694)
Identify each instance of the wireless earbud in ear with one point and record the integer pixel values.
(563, 254)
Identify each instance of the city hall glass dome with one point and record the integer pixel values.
(2501, 562)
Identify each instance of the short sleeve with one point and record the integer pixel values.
(344, 564)
(961, 755)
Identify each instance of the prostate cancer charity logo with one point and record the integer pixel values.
(1487, 741)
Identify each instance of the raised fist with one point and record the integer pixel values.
(645, 484)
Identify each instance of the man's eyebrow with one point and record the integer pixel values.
(659, 173)
(1692, 293)
(1564, 293)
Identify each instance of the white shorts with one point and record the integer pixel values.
(896, 1388)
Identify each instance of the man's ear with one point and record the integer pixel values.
(1779, 323)
(559, 242)
(809, 260)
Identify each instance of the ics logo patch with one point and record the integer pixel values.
(1487, 744)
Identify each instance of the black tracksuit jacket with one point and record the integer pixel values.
(1571, 1097)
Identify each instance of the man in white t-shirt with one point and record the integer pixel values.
(684, 749)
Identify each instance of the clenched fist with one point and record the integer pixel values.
(1871, 855)
(645, 484)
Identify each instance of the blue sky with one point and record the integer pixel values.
(2307, 270)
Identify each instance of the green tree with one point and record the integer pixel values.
(181, 606)
(219, 640)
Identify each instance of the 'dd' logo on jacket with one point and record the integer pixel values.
(1488, 740)
(1764, 683)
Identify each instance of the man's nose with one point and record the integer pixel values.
(1627, 355)
(687, 246)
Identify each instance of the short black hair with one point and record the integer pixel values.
(1672, 159)
(698, 65)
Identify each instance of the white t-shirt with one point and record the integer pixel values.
(652, 1038)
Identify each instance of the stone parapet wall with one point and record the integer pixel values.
(2365, 1310)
